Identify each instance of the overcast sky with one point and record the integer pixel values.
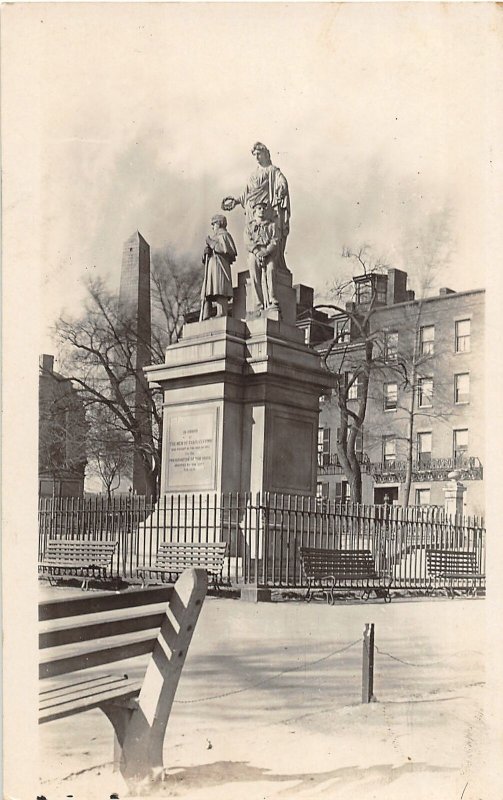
(140, 116)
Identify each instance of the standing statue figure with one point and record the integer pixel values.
(267, 184)
(262, 245)
(219, 253)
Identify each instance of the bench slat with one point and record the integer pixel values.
(64, 706)
(70, 658)
(98, 602)
(113, 624)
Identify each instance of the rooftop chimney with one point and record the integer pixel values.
(304, 296)
(46, 363)
(397, 287)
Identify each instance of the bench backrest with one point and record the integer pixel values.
(82, 632)
(97, 552)
(354, 563)
(456, 561)
(181, 555)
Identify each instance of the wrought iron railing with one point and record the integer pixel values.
(265, 532)
(329, 463)
(428, 469)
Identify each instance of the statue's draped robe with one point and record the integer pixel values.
(269, 185)
(218, 279)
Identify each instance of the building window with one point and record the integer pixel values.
(462, 388)
(342, 492)
(463, 336)
(424, 448)
(358, 439)
(371, 287)
(323, 446)
(390, 396)
(381, 286)
(391, 346)
(322, 488)
(460, 443)
(426, 340)
(354, 390)
(342, 330)
(364, 292)
(388, 450)
(425, 392)
(423, 497)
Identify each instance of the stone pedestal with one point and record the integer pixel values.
(240, 414)
(285, 293)
(453, 498)
(240, 408)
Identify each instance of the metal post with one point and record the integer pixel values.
(368, 663)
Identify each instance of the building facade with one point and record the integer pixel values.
(425, 402)
(62, 431)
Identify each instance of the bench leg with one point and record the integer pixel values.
(119, 716)
(143, 738)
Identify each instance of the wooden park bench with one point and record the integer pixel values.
(83, 633)
(327, 570)
(174, 557)
(86, 558)
(454, 569)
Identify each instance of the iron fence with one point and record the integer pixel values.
(265, 532)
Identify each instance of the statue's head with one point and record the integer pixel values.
(261, 153)
(220, 220)
(262, 211)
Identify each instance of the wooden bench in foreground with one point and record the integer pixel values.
(85, 558)
(326, 570)
(78, 635)
(454, 569)
(174, 557)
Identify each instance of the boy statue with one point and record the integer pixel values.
(262, 237)
(219, 253)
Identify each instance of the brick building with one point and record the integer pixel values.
(426, 387)
(62, 429)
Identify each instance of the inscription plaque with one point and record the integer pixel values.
(191, 452)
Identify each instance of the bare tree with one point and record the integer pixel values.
(98, 354)
(176, 287)
(353, 354)
(359, 356)
(108, 448)
(432, 251)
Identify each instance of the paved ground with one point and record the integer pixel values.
(269, 707)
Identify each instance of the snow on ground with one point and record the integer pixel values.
(269, 706)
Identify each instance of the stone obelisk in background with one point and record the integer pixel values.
(134, 302)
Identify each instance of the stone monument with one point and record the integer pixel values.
(241, 392)
(134, 303)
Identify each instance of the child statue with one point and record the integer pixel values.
(219, 253)
(262, 243)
